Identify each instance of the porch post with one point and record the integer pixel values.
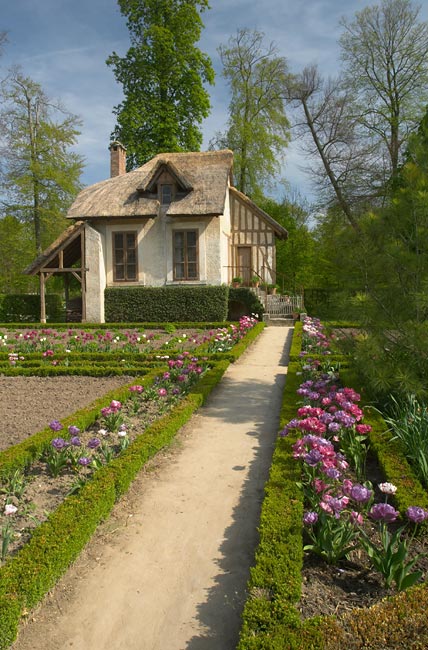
(42, 299)
(83, 273)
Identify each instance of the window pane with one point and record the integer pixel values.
(185, 255)
(118, 240)
(191, 238)
(131, 272)
(179, 255)
(130, 240)
(119, 272)
(192, 270)
(166, 194)
(179, 271)
(179, 239)
(191, 254)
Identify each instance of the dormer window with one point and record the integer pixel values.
(165, 193)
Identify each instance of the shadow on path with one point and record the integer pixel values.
(220, 614)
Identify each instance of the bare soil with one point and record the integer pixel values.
(28, 404)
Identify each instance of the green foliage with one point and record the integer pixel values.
(162, 76)
(293, 255)
(395, 623)
(39, 172)
(258, 129)
(166, 304)
(16, 253)
(393, 258)
(390, 557)
(26, 308)
(408, 422)
(243, 302)
(390, 454)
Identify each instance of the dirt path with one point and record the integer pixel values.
(168, 570)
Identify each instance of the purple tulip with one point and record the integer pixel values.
(383, 512)
(332, 473)
(58, 443)
(94, 443)
(75, 441)
(416, 514)
(360, 493)
(84, 461)
(310, 518)
(313, 457)
(73, 430)
(55, 425)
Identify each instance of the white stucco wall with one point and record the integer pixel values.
(95, 276)
(225, 241)
(155, 252)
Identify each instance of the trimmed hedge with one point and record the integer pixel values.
(26, 308)
(166, 304)
(116, 326)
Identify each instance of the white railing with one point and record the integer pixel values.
(278, 305)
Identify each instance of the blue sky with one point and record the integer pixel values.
(63, 45)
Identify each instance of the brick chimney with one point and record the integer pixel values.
(117, 159)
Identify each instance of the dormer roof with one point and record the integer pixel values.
(162, 166)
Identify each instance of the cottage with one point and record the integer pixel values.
(177, 220)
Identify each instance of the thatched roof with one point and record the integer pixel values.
(202, 175)
(68, 242)
(279, 230)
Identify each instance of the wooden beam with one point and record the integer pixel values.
(84, 269)
(42, 299)
(71, 269)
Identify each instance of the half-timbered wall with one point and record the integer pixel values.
(248, 228)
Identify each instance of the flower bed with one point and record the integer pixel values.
(56, 542)
(272, 615)
(56, 352)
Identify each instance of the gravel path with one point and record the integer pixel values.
(168, 570)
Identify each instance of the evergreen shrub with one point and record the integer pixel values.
(17, 307)
(166, 304)
(243, 302)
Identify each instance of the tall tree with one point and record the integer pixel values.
(327, 127)
(385, 54)
(293, 255)
(392, 254)
(163, 76)
(258, 129)
(40, 173)
(16, 252)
